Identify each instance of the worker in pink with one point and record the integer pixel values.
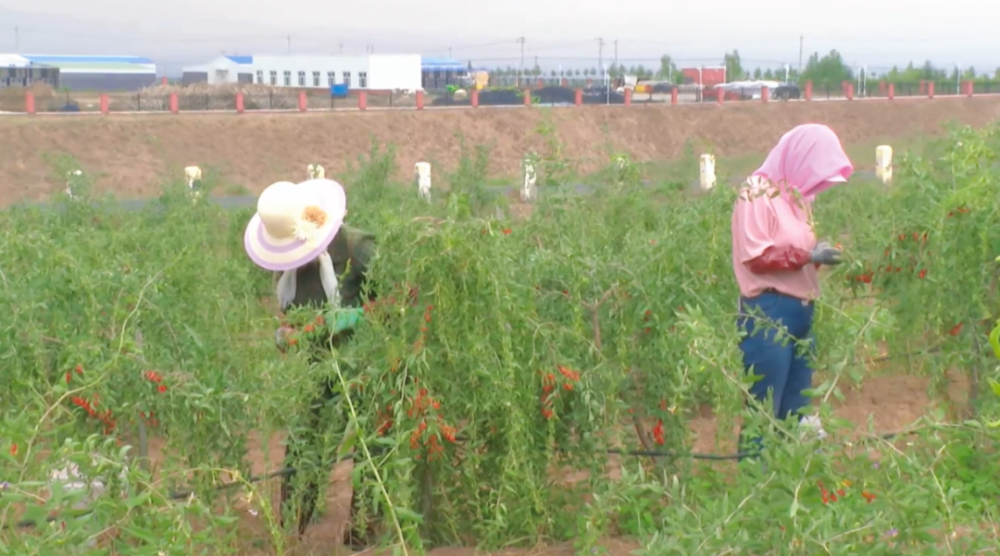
(775, 259)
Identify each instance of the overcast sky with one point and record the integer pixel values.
(875, 33)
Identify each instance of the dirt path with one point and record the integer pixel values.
(131, 154)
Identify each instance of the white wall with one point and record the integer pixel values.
(377, 71)
(325, 65)
(395, 71)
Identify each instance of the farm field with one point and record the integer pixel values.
(517, 349)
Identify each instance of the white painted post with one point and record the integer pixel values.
(316, 171)
(422, 171)
(528, 178)
(73, 179)
(707, 177)
(193, 176)
(883, 163)
(622, 166)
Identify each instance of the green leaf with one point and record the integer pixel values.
(409, 515)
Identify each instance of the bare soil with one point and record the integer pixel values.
(131, 154)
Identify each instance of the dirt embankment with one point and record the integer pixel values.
(130, 154)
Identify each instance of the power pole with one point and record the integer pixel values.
(449, 52)
(17, 40)
(341, 48)
(801, 40)
(600, 57)
(520, 70)
(616, 53)
(289, 38)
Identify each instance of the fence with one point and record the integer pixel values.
(555, 92)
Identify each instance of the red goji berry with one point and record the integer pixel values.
(68, 377)
(13, 448)
(922, 274)
(658, 432)
(309, 328)
(568, 387)
(161, 388)
(955, 330)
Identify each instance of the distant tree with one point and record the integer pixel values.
(668, 69)
(553, 73)
(576, 72)
(828, 71)
(769, 74)
(757, 74)
(734, 67)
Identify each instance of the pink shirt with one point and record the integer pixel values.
(763, 218)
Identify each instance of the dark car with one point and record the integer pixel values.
(786, 91)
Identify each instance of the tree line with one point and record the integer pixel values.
(828, 70)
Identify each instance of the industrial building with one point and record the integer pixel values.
(438, 73)
(78, 73)
(18, 71)
(375, 72)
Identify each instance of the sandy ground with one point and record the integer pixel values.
(900, 400)
(130, 154)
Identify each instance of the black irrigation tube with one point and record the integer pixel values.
(289, 471)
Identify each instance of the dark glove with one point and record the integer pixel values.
(824, 253)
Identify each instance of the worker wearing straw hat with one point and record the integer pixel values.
(299, 231)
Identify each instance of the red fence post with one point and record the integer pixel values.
(420, 100)
(474, 98)
(673, 96)
(527, 97)
(163, 80)
(362, 100)
(105, 108)
(540, 82)
(765, 94)
(892, 91)
(29, 103)
(303, 101)
(720, 95)
(579, 97)
(850, 91)
(174, 105)
(628, 97)
(239, 102)
(809, 90)
(970, 88)
(930, 89)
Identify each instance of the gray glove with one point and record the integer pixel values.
(824, 253)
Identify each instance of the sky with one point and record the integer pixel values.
(873, 33)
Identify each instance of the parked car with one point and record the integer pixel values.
(787, 91)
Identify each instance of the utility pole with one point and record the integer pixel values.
(801, 40)
(341, 48)
(449, 52)
(520, 70)
(289, 38)
(616, 53)
(600, 57)
(17, 40)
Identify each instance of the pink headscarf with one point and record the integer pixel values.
(809, 159)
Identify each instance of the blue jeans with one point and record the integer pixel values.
(780, 359)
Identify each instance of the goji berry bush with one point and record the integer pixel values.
(507, 369)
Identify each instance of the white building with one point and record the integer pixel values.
(378, 72)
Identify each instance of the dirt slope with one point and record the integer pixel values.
(131, 153)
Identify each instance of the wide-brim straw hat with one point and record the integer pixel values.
(294, 223)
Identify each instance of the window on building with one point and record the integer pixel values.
(347, 78)
(331, 78)
(302, 79)
(315, 79)
(288, 79)
(260, 77)
(363, 79)
(274, 77)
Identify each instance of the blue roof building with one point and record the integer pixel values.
(99, 73)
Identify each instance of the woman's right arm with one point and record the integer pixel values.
(754, 238)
